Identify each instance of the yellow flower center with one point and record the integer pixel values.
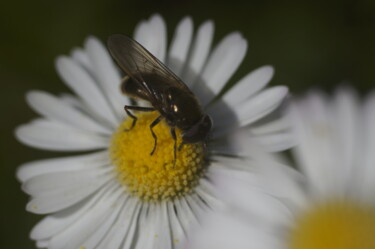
(339, 225)
(159, 176)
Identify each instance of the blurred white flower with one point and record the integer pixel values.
(330, 204)
(119, 196)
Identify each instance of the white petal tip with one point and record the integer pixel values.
(236, 39)
(19, 132)
(20, 175)
(207, 27)
(32, 95)
(33, 208)
(187, 20)
(157, 20)
(156, 17)
(281, 91)
(209, 23)
(60, 62)
(91, 38)
(269, 69)
(91, 41)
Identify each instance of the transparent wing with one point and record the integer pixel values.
(136, 61)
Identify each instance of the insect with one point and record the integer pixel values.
(149, 79)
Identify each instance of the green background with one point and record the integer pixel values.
(310, 43)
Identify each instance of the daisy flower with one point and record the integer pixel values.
(117, 195)
(329, 204)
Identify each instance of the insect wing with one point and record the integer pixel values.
(135, 60)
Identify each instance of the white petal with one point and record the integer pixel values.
(57, 222)
(199, 52)
(276, 142)
(274, 126)
(197, 207)
(73, 237)
(78, 104)
(262, 174)
(73, 163)
(239, 142)
(141, 34)
(221, 65)
(180, 46)
(227, 229)
(261, 105)
(315, 135)
(249, 85)
(131, 233)
(50, 135)
(73, 101)
(107, 75)
(121, 230)
(83, 84)
(245, 200)
(152, 35)
(42, 243)
(56, 109)
(82, 58)
(104, 228)
(346, 123)
(185, 214)
(251, 110)
(147, 224)
(366, 175)
(178, 233)
(163, 230)
(55, 191)
(205, 191)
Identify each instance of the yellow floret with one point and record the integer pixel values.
(155, 177)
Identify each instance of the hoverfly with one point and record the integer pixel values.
(149, 79)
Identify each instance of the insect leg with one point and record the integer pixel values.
(173, 133)
(155, 122)
(136, 108)
(181, 144)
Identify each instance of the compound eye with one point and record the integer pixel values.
(175, 108)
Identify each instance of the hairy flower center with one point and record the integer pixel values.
(341, 225)
(159, 176)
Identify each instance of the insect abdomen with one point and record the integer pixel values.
(131, 88)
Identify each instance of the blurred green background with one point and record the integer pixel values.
(310, 43)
